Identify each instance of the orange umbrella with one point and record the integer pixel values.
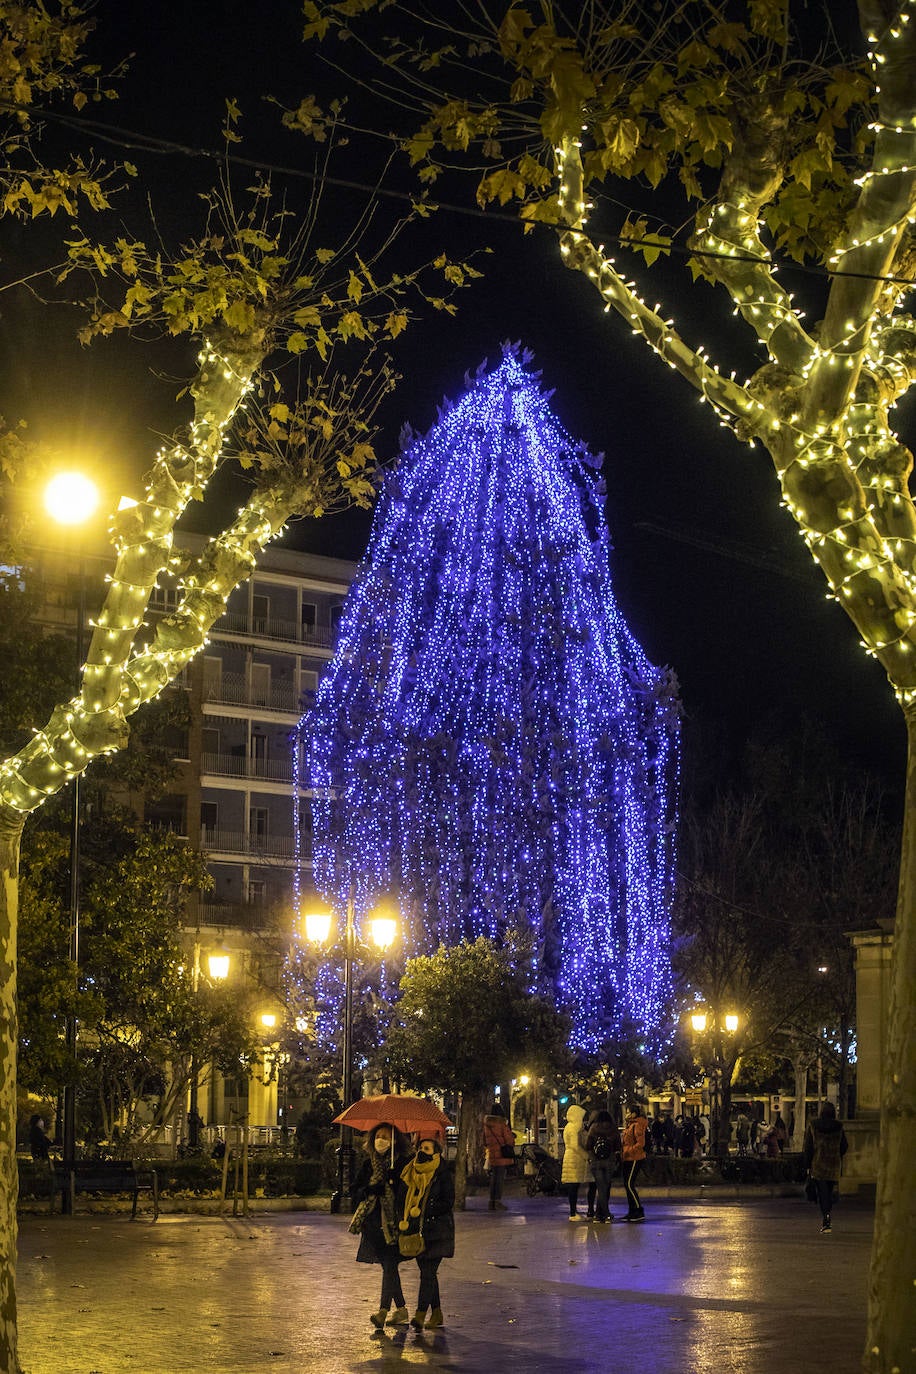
(407, 1114)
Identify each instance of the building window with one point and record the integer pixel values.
(260, 613)
(209, 817)
(336, 613)
(309, 619)
(259, 822)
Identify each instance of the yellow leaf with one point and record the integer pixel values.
(324, 254)
(396, 323)
(355, 288)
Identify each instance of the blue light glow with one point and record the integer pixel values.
(489, 740)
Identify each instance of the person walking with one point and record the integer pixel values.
(39, 1144)
(426, 1228)
(742, 1133)
(782, 1132)
(603, 1144)
(375, 1185)
(634, 1152)
(574, 1171)
(500, 1142)
(825, 1146)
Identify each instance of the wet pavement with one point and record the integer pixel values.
(702, 1287)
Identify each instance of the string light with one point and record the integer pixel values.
(489, 740)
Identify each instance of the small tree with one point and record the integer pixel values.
(466, 1020)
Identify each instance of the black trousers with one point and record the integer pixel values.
(428, 1295)
(392, 1292)
(825, 1187)
(630, 1171)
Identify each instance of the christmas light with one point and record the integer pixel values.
(489, 740)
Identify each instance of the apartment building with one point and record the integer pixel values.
(247, 690)
(233, 789)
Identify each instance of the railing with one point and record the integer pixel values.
(233, 766)
(241, 842)
(234, 690)
(290, 631)
(241, 915)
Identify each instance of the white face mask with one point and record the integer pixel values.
(382, 1143)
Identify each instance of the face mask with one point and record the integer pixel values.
(382, 1143)
(426, 1148)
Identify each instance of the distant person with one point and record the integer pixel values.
(782, 1132)
(39, 1143)
(387, 1154)
(825, 1146)
(603, 1144)
(426, 1201)
(659, 1135)
(742, 1133)
(687, 1138)
(633, 1149)
(575, 1168)
(500, 1142)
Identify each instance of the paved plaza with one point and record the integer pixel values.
(702, 1287)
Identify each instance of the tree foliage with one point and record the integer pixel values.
(466, 1020)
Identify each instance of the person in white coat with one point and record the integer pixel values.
(575, 1169)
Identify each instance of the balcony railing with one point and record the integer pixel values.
(242, 842)
(234, 766)
(290, 631)
(234, 690)
(242, 915)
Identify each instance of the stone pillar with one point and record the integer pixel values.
(873, 973)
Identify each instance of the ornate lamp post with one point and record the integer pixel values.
(318, 920)
(714, 1029)
(71, 499)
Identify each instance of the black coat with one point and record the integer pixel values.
(439, 1215)
(372, 1243)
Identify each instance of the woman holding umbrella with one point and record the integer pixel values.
(387, 1154)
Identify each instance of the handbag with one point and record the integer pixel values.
(507, 1151)
(358, 1219)
(810, 1189)
(412, 1245)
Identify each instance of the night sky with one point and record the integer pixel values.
(710, 571)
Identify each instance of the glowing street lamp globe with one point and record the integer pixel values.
(698, 1021)
(731, 1023)
(71, 498)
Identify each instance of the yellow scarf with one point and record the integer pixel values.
(417, 1175)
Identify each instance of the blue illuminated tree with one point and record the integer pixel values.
(489, 741)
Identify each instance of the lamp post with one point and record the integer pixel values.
(318, 920)
(218, 969)
(71, 499)
(702, 1022)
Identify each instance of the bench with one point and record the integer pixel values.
(105, 1176)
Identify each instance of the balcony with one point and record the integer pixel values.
(236, 766)
(286, 631)
(251, 916)
(232, 689)
(242, 842)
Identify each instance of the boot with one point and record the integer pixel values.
(435, 1317)
(378, 1318)
(399, 1317)
(418, 1320)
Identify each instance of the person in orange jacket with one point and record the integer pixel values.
(634, 1152)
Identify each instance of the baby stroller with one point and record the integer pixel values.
(542, 1171)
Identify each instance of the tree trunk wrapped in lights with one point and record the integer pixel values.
(489, 742)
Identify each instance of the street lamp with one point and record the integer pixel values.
(702, 1021)
(71, 498)
(218, 968)
(318, 921)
